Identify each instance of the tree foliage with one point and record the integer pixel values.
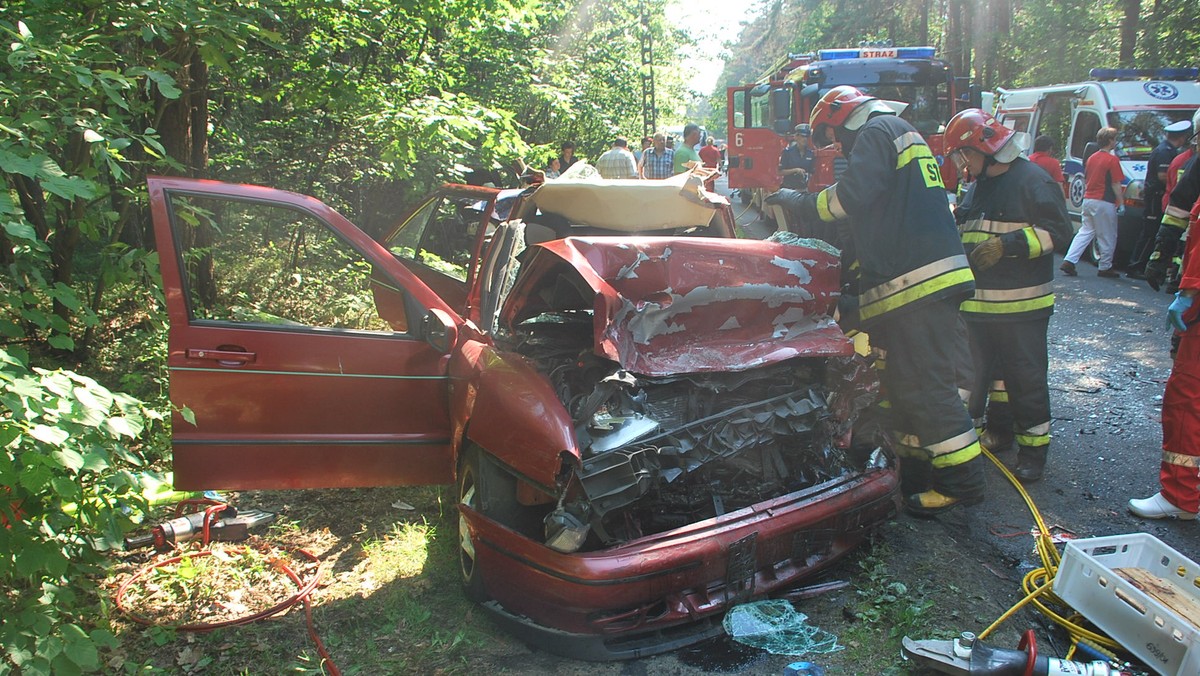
(999, 43)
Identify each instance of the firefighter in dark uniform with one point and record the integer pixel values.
(913, 275)
(1174, 220)
(1011, 219)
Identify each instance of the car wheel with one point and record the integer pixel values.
(469, 494)
(486, 487)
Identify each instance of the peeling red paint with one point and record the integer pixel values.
(667, 306)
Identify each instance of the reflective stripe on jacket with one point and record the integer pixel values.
(904, 234)
(1024, 207)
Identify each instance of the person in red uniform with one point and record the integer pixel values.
(1179, 473)
(1043, 147)
(711, 156)
(1180, 470)
(1103, 201)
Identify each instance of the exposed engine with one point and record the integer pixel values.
(660, 453)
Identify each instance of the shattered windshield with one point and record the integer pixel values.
(1142, 130)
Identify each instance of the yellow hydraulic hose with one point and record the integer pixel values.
(1037, 584)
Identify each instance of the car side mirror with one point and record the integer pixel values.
(439, 330)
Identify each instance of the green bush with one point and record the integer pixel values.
(67, 482)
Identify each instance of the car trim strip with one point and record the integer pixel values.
(341, 441)
(307, 373)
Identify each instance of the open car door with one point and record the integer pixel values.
(308, 355)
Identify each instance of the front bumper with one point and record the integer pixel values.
(669, 590)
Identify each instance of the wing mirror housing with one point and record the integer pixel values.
(439, 330)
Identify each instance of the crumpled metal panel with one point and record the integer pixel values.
(673, 305)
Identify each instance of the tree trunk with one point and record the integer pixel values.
(1129, 26)
(1152, 59)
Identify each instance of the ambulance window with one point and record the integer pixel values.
(1054, 118)
(1017, 122)
(1087, 124)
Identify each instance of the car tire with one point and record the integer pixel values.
(484, 486)
(470, 494)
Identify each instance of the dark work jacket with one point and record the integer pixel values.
(1024, 207)
(905, 237)
(1187, 190)
(1160, 159)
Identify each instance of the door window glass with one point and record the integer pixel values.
(1087, 124)
(440, 236)
(739, 107)
(1054, 118)
(262, 263)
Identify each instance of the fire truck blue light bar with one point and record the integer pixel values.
(876, 52)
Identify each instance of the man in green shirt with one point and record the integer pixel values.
(686, 152)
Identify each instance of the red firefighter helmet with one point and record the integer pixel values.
(974, 128)
(836, 105)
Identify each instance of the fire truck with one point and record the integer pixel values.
(762, 113)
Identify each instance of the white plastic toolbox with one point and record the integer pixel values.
(1159, 636)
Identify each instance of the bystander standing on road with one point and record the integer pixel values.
(658, 160)
(1011, 218)
(712, 160)
(1043, 156)
(685, 152)
(1155, 188)
(1103, 201)
(617, 161)
(640, 152)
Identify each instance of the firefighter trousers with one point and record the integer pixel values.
(926, 354)
(1180, 472)
(1014, 351)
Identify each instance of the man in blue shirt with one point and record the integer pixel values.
(657, 160)
(796, 160)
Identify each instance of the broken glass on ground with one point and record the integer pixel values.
(775, 626)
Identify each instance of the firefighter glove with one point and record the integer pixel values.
(1180, 305)
(987, 254)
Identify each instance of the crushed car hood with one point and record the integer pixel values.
(664, 306)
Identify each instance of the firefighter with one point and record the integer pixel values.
(1175, 217)
(913, 275)
(1011, 220)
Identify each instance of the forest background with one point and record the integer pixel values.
(365, 104)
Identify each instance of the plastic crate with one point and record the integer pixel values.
(1162, 638)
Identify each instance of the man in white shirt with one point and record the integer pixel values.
(617, 161)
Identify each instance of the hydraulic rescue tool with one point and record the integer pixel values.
(968, 655)
(222, 522)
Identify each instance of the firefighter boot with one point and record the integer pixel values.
(961, 484)
(1031, 461)
(916, 475)
(996, 442)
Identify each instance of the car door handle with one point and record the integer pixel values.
(227, 357)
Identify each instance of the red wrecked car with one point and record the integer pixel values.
(648, 421)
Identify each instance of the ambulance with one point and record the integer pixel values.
(1138, 102)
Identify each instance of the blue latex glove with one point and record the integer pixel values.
(1121, 209)
(1180, 305)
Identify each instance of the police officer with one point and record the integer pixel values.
(1175, 217)
(796, 160)
(1011, 219)
(1155, 188)
(914, 275)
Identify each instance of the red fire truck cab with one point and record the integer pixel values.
(761, 114)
